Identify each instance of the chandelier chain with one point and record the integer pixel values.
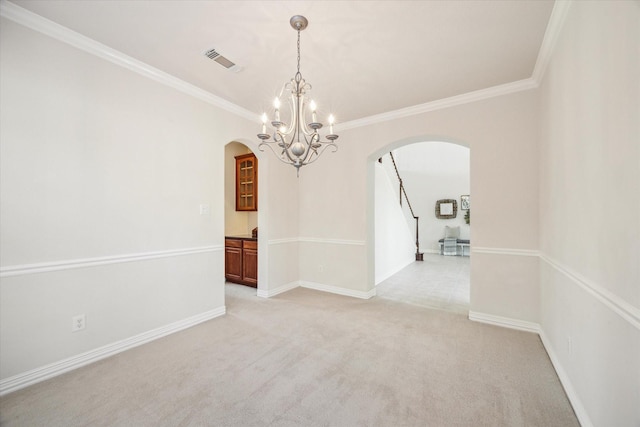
(298, 75)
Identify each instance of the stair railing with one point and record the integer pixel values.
(403, 192)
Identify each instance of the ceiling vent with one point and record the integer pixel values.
(229, 65)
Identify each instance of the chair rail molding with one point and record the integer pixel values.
(622, 308)
(332, 241)
(44, 267)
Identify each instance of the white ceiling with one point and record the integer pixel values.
(362, 57)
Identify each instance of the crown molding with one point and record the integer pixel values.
(551, 35)
(64, 34)
(466, 98)
(45, 26)
(554, 26)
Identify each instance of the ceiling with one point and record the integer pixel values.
(361, 57)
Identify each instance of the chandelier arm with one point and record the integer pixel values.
(322, 149)
(285, 149)
(270, 145)
(309, 150)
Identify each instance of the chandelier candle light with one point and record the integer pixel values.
(300, 141)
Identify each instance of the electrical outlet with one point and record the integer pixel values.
(78, 322)
(569, 345)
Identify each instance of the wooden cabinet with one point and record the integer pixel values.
(250, 262)
(241, 261)
(246, 183)
(233, 260)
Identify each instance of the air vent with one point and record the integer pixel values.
(212, 54)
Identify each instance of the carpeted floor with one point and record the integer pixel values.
(308, 358)
(440, 282)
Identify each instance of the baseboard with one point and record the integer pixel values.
(505, 322)
(34, 376)
(268, 293)
(338, 290)
(521, 325)
(317, 287)
(576, 403)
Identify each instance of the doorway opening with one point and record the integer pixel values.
(241, 201)
(429, 171)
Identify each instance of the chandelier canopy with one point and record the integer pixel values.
(298, 142)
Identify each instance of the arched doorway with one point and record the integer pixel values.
(431, 169)
(243, 223)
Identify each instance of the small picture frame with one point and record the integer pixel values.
(465, 203)
(446, 208)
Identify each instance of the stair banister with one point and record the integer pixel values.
(419, 255)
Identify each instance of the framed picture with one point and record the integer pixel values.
(446, 209)
(465, 203)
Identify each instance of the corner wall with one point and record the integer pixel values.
(590, 211)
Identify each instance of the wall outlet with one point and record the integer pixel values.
(205, 209)
(78, 322)
(569, 345)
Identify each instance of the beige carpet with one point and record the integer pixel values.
(307, 358)
(440, 282)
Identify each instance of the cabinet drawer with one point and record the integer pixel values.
(250, 244)
(233, 243)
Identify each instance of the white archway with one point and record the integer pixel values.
(373, 276)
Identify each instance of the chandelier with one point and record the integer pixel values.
(299, 142)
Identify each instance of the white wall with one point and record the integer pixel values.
(337, 200)
(432, 171)
(590, 210)
(103, 172)
(395, 242)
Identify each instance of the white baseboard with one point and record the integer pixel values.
(576, 403)
(338, 290)
(280, 289)
(317, 287)
(34, 376)
(431, 251)
(505, 322)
